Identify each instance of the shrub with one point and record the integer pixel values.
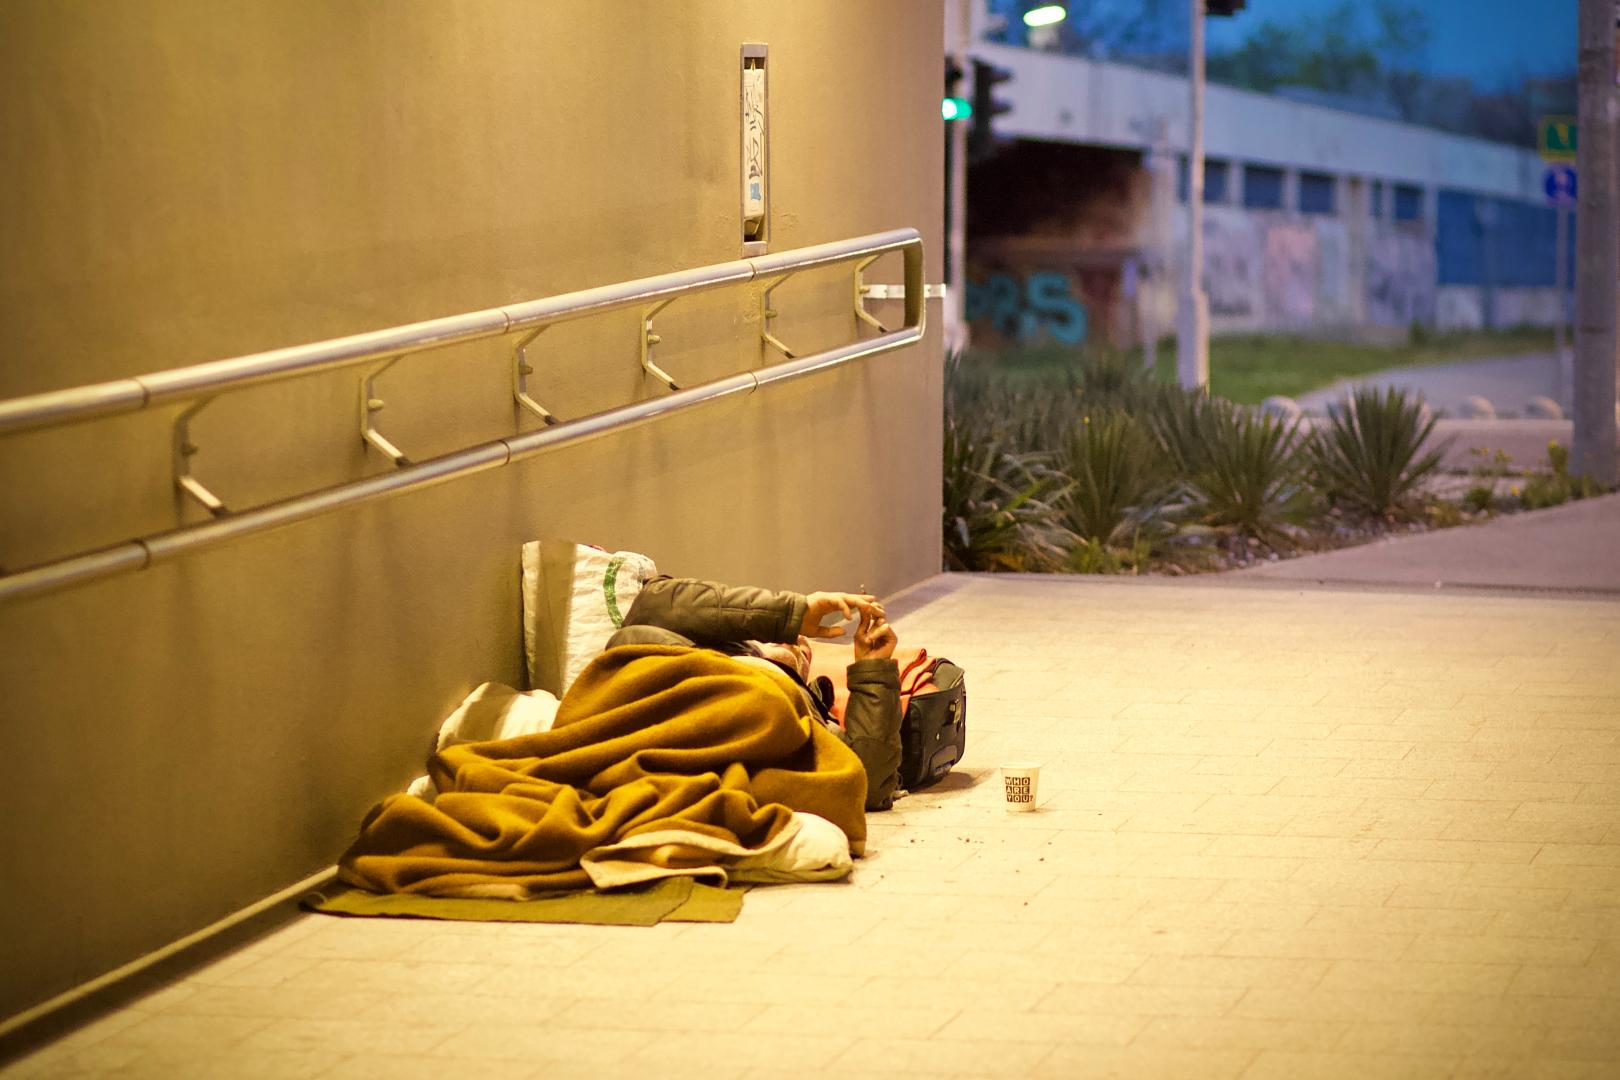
(1119, 483)
(1490, 470)
(1036, 417)
(1109, 374)
(1551, 489)
(1030, 413)
(1369, 456)
(1443, 515)
(1241, 466)
(1480, 499)
(996, 516)
(1093, 557)
(1182, 423)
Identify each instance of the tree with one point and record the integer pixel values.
(1331, 52)
(1403, 40)
(1379, 60)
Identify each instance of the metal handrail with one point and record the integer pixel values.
(58, 407)
(202, 381)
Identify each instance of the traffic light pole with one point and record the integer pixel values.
(1597, 247)
(1192, 315)
(959, 35)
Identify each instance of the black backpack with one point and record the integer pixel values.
(933, 724)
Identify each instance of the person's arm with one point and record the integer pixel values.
(872, 717)
(709, 613)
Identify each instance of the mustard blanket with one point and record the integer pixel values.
(650, 738)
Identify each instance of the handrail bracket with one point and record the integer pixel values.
(861, 290)
(649, 339)
(370, 405)
(521, 370)
(767, 313)
(184, 451)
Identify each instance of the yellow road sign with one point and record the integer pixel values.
(1555, 138)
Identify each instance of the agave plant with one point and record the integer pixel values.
(1369, 455)
(1109, 374)
(1120, 486)
(1182, 423)
(996, 512)
(1242, 466)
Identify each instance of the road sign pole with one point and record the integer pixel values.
(959, 38)
(1560, 287)
(1597, 247)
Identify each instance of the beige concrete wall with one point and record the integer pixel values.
(189, 181)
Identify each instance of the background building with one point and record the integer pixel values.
(1319, 219)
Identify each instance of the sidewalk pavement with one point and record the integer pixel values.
(1508, 383)
(1279, 835)
(1574, 548)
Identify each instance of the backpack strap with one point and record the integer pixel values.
(921, 661)
(920, 676)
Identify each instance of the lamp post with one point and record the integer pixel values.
(1192, 314)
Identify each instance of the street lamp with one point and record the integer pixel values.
(1043, 25)
(1192, 316)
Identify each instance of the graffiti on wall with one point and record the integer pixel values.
(1271, 275)
(1332, 268)
(1290, 274)
(1400, 279)
(1038, 306)
(1231, 267)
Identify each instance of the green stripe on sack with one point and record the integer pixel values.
(610, 594)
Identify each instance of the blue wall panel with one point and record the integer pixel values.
(1480, 240)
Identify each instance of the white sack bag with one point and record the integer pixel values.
(574, 597)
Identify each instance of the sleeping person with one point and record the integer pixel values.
(691, 745)
(761, 627)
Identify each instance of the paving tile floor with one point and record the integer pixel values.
(1281, 834)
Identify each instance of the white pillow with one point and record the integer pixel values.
(492, 711)
(574, 597)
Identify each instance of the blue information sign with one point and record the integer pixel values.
(1559, 184)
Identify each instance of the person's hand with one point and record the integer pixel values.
(874, 638)
(845, 605)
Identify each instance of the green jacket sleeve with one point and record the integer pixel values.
(872, 726)
(708, 613)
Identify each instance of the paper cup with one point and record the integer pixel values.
(1021, 782)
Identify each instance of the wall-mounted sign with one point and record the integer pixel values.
(755, 179)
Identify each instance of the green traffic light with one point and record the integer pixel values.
(955, 108)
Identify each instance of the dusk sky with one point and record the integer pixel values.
(1492, 41)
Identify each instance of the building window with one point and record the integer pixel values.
(1215, 180)
(1262, 187)
(1408, 203)
(1315, 193)
(1375, 199)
